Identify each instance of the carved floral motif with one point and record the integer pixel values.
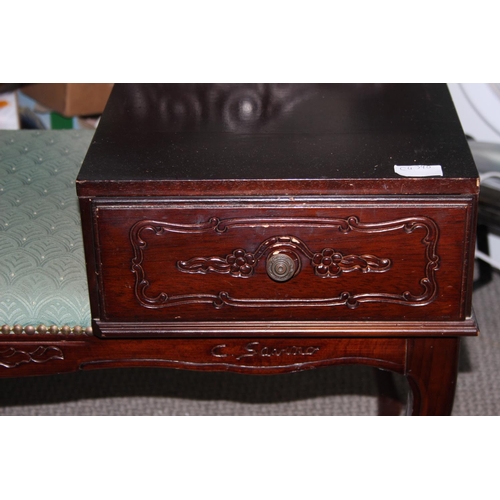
(327, 263)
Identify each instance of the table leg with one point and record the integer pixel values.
(431, 371)
(389, 402)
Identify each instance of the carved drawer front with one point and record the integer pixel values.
(271, 261)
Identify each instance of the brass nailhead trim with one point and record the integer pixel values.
(43, 329)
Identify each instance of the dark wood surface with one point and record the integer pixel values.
(431, 371)
(430, 364)
(187, 192)
(276, 139)
(393, 259)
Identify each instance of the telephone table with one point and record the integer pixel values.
(267, 228)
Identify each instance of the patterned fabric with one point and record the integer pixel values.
(42, 266)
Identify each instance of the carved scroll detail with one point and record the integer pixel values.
(246, 265)
(328, 263)
(12, 357)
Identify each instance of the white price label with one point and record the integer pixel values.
(418, 170)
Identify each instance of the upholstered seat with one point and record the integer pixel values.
(43, 285)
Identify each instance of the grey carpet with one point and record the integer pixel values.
(337, 391)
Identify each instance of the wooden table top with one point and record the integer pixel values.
(251, 139)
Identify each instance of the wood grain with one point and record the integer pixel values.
(187, 190)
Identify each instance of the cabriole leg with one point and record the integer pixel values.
(431, 371)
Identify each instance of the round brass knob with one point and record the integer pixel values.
(281, 267)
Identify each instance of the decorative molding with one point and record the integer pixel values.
(246, 367)
(327, 263)
(224, 298)
(12, 357)
(288, 329)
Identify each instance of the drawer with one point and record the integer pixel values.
(267, 260)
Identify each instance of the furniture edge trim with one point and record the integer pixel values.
(111, 329)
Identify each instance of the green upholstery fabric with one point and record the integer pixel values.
(42, 266)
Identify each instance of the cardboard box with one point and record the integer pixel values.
(70, 99)
(9, 116)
